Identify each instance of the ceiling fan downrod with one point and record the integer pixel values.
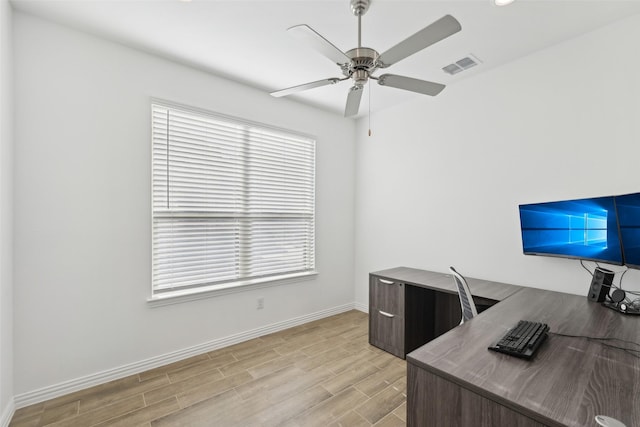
(359, 8)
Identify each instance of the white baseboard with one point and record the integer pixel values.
(7, 414)
(361, 307)
(56, 390)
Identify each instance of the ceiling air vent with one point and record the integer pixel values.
(461, 65)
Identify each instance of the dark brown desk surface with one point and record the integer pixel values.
(569, 381)
(443, 282)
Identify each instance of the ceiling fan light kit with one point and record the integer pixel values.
(360, 63)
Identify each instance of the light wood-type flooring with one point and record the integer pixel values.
(322, 373)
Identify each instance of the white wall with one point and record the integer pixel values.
(6, 211)
(440, 180)
(82, 207)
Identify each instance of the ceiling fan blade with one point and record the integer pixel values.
(439, 30)
(299, 88)
(353, 101)
(319, 43)
(411, 84)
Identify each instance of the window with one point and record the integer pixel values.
(233, 202)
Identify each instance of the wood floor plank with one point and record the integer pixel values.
(32, 420)
(276, 364)
(211, 363)
(247, 363)
(57, 413)
(348, 362)
(302, 332)
(298, 384)
(351, 419)
(282, 384)
(267, 383)
(328, 344)
(390, 420)
(339, 330)
(323, 359)
(330, 410)
(143, 415)
(103, 413)
(281, 335)
(28, 412)
(162, 370)
(355, 333)
(225, 409)
(104, 397)
(102, 389)
(198, 394)
(299, 342)
(323, 373)
(240, 347)
(356, 346)
(382, 359)
(259, 347)
(199, 413)
(277, 414)
(385, 402)
(382, 379)
(349, 377)
(172, 389)
(401, 412)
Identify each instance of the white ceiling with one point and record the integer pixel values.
(247, 40)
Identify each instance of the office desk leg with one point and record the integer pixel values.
(433, 401)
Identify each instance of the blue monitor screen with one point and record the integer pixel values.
(628, 207)
(585, 229)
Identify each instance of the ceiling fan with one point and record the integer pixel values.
(360, 63)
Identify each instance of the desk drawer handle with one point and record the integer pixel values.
(386, 282)
(384, 313)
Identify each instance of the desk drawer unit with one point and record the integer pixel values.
(386, 315)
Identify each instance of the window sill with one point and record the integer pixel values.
(177, 297)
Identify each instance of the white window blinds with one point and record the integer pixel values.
(233, 202)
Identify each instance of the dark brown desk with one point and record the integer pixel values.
(410, 307)
(455, 381)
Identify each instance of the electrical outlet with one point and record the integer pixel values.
(260, 304)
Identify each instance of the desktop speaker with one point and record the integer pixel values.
(618, 295)
(600, 284)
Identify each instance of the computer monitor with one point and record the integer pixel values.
(583, 229)
(628, 207)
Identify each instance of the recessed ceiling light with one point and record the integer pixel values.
(502, 2)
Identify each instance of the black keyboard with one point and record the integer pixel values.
(522, 340)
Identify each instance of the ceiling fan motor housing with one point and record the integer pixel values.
(363, 63)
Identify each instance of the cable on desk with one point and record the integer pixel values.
(631, 351)
(636, 293)
(585, 267)
(591, 273)
(635, 302)
(621, 276)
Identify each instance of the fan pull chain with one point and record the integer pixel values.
(370, 88)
